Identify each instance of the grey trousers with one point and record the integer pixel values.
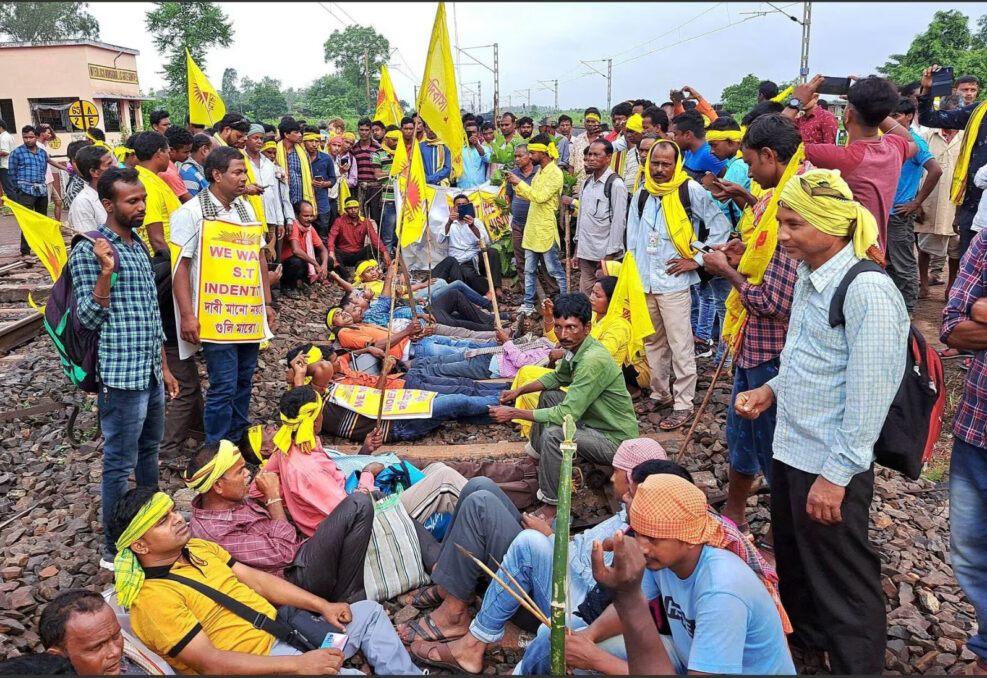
(587, 275)
(462, 333)
(485, 523)
(184, 413)
(902, 263)
(547, 439)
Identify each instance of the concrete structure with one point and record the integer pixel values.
(39, 81)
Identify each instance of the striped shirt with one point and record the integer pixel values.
(833, 390)
(364, 157)
(130, 327)
(970, 423)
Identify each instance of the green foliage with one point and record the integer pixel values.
(355, 50)
(177, 25)
(230, 92)
(741, 97)
(332, 95)
(948, 41)
(38, 21)
(265, 100)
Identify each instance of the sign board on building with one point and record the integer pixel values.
(83, 114)
(97, 72)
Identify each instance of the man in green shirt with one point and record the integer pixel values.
(597, 400)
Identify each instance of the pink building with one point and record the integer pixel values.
(39, 82)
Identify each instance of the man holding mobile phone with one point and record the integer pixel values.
(466, 235)
(323, 178)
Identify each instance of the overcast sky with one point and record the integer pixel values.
(654, 46)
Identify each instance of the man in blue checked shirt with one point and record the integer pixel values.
(133, 370)
(26, 172)
(833, 392)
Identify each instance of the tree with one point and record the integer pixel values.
(38, 21)
(947, 41)
(266, 100)
(229, 92)
(741, 97)
(355, 49)
(180, 25)
(332, 95)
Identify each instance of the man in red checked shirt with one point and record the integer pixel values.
(816, 124)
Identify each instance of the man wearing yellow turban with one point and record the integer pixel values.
(592, 125)
(197, 635)
(834, 389)
(661, 233)
(625, 159)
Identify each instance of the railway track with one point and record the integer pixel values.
(19, 323)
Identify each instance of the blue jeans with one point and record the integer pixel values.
(437, 288)
(712, 298)
(537, 659)
(470, 408)
(968, 531)
(529, 560)
(231, 375)
(133, 425)
(388, 226)
(749, 440)
(440, 345)
(477, 367)
(453, 385)
(552, 263)
(471, 294)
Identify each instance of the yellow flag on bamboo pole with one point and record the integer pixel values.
(204, 105)
(413, 218)
(438, 101)
(388, 108)
(44, 236)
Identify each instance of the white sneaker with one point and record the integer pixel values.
(106, 564)
(526, 310)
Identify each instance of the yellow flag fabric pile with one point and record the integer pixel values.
(438, 100)
(388, 108)
(204, 105)
(43, 235)
(399, 403)
(628, 302)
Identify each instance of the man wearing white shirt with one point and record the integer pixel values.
(230, 365)
(87, 212)
(6, 146)
(465, 261)
(277, 206)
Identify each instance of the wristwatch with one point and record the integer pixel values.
(794, 103)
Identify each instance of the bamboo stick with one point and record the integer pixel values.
(515, 582)
(490, 286)
(538, 614)
(560, 559)
(388, 282)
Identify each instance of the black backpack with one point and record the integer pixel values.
(701, 233)
(77, 345)
(914, 420)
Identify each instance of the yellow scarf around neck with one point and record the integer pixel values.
(256, 201)
(957, 190)
(308, 193)
(677, 222)
(761, 246)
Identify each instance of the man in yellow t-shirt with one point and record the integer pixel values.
(541, 232)
(153, 157)
(197, 635)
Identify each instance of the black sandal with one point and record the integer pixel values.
(425, 598)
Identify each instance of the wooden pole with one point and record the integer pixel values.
(490, 285)
(564, 217)
(388, 282)
(560, 558)
(702, 407)
(428, 254)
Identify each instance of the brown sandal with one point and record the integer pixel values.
(675, 420)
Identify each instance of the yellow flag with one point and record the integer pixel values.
(399, 164)
(388, 108)
(628, 300)
(204, 105)
(43, 235)
(414, 217)
(438, 102)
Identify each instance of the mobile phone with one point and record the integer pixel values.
(834, 85)
(318, 178)
(942, 82)
(702, 247)
(334, 640)
(466, 210)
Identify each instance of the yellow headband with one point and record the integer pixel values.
(127, 570)
(363, 266)
(313, 355)
(635, 123)
(393, 134)
(724, 135)
(300, 428)
(311, 137)
(331, 315)
(349, 135)
(351, 202)
(269, 146)
(549, 148)
(203, 480)
(824, 199)
(122, 152)
(591, 116)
